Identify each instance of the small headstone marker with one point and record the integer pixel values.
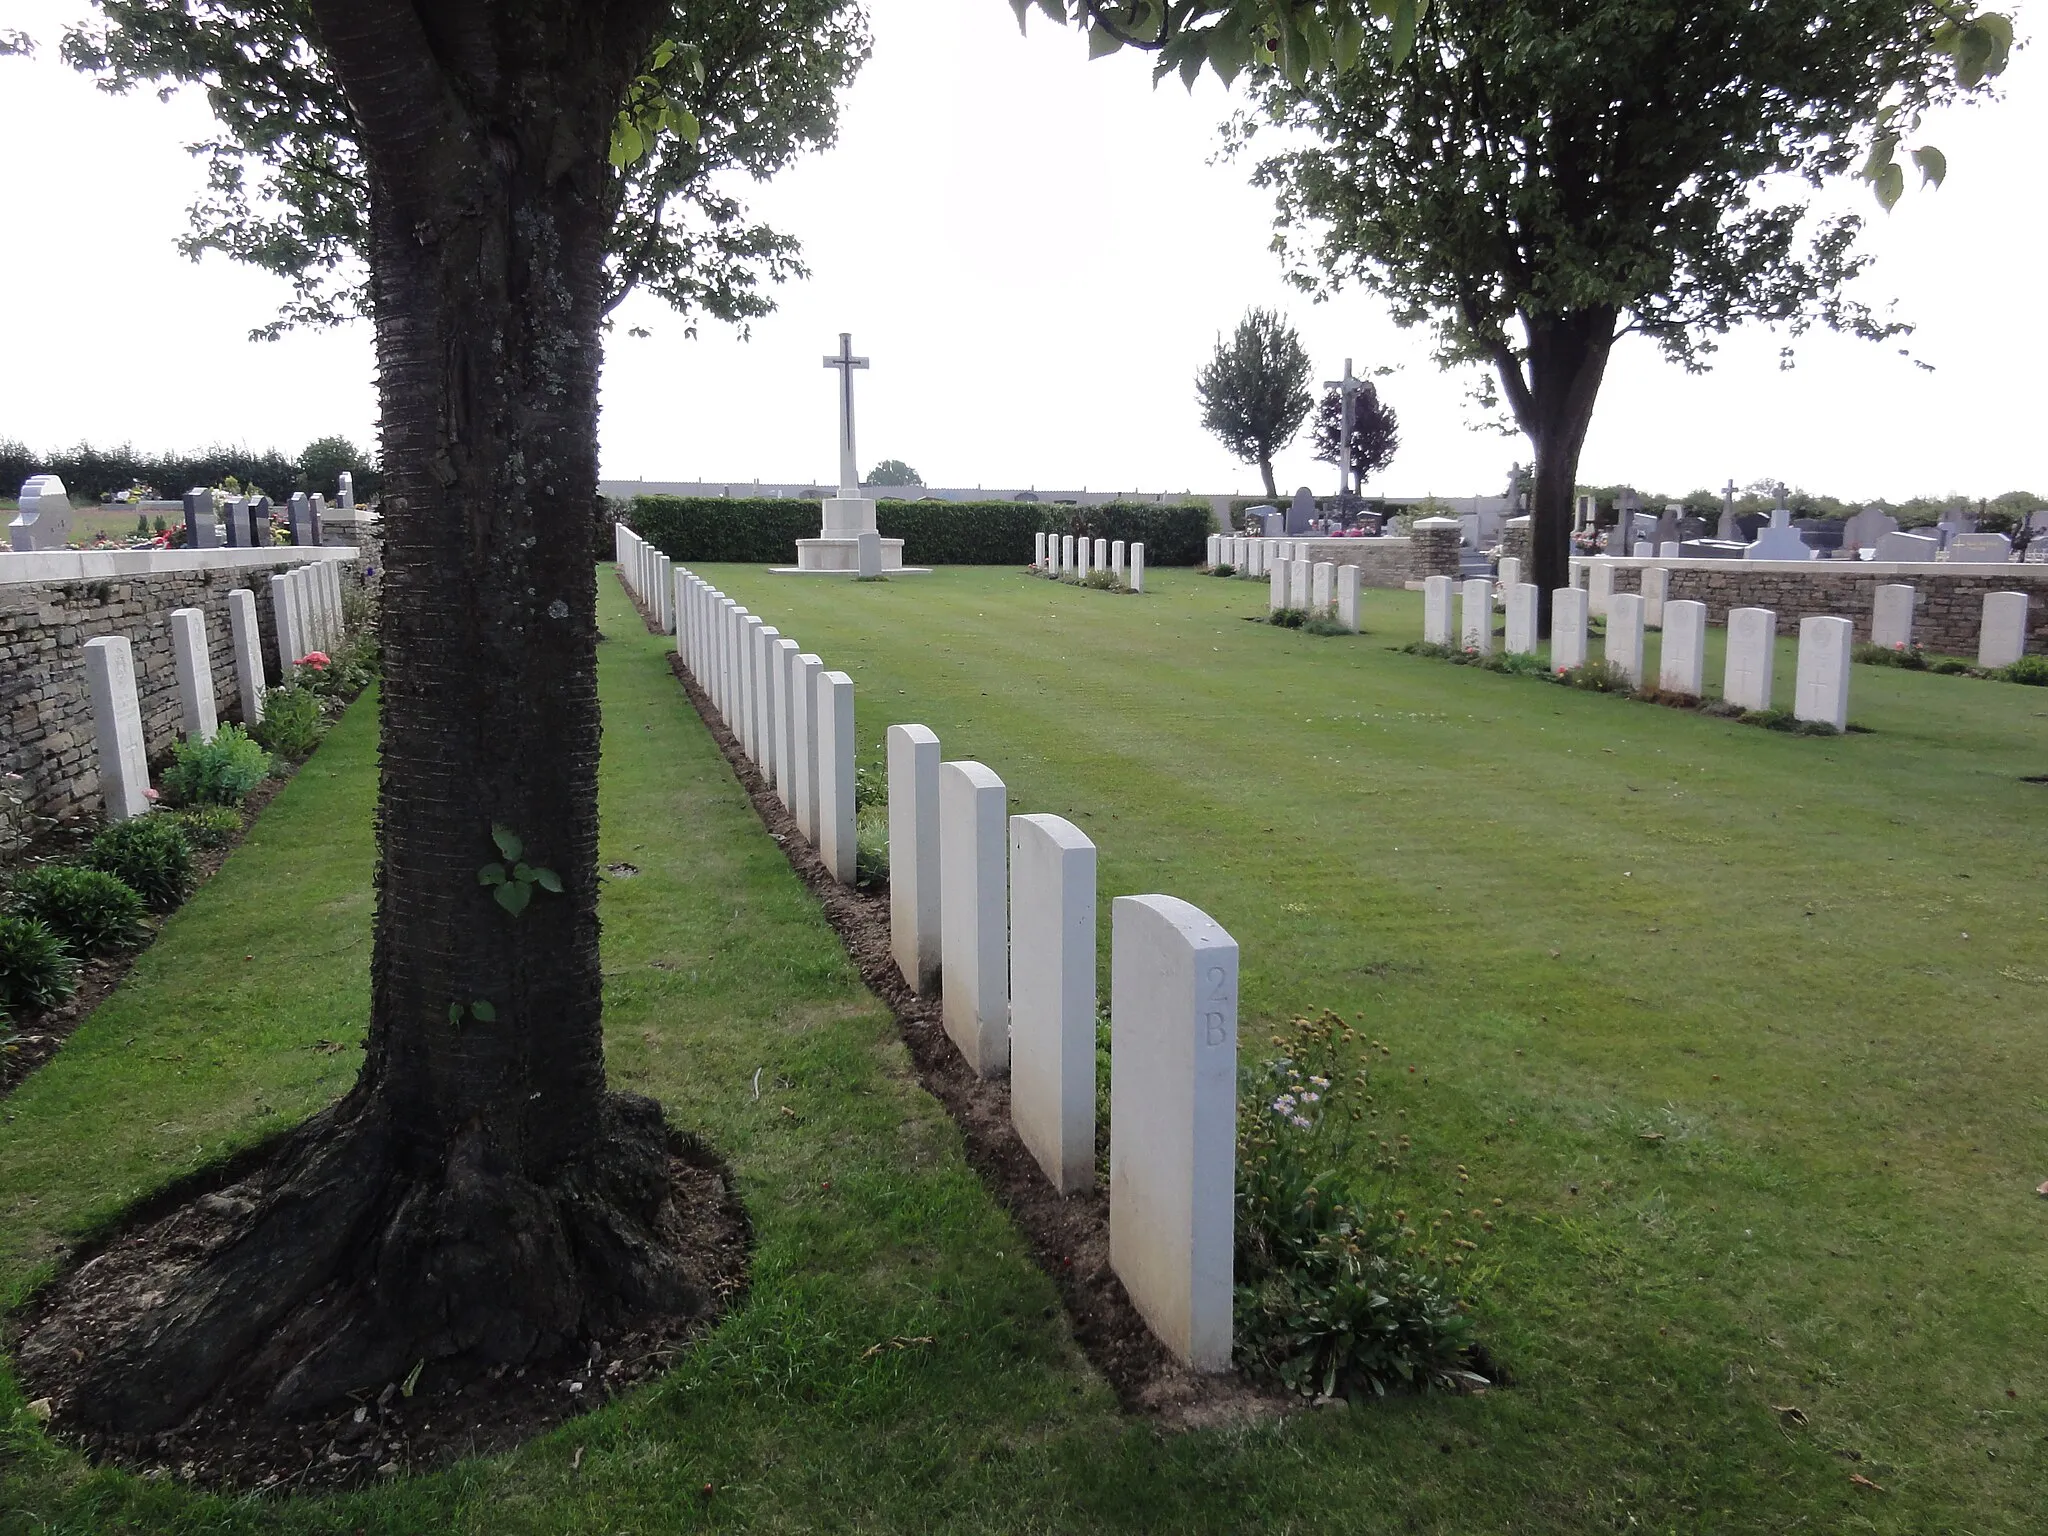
(1350, 583)
(1214, 547)
(1822, 690)
(1052, 996)
(974, 980)
(1523, 597)
(258, 512)
(1436, 610)
(836, 841)
(1599, 588)
(117, 726)
(234, 523)
(1510, 573)
(1567, 629)
(300, 516)
(1891, 617)
(1322, 584)
(1101, 555)
(868, 553)
(1625, 636)
(1668, 550)
(1173, 1122)
(914, 854)
(1682, 659)
(2002, 635)
(1475, 616)
(1116, 558)
(1038, 551)
(1301, 511)
(194, 665)
(1066, 553)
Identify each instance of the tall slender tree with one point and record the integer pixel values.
(1254, 390)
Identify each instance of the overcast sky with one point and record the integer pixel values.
(1037, 255)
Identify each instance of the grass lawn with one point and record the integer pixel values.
(1580, 920)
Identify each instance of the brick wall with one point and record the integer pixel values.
(1391, 562)
(49, 757)
(1946, 615)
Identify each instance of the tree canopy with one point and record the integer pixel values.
(1254, 390)
(1375, 431)
(894, 472)
(286, 188)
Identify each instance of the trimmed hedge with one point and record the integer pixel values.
(764, 530)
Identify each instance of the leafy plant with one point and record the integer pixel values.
(512, 888)
(2032, 670)
(1254, 390)
(1597, 675)
(1948, 666)
(1222, 570)
(1324, 624)
(1105, 581)
(150, 855)
(90, 910)
(870, 787)
(36, 970)
(871, 843)
(1910, 657)
(1288, 618)
(1338, 1291)
(217, 772)
(291, 721)
(209, 826)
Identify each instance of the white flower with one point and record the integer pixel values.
(1310, 1098)
(1302, 1121)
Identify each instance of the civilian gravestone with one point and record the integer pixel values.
(974, 979)
(1052, 997)
(1980, 548)
(1301, 511)
(1866, 528)
(914, 854)
(43, 520)
(258, 512)
(1725, 531)
(1173, 1122)
(234, 523)
(1907, 548)
(202, 528)
(1822, 688)
(1752, 652)
(305, 529)
(1780, 541)
(345, 491)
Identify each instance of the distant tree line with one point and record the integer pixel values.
(1995, 514)
(96, 474)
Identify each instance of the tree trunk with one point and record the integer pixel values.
(1552, 394)
(478, 1193)
(1266, 474)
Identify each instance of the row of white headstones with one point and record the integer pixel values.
(1065, 555)
(997, 913)
(1821, 680)
(307, 604)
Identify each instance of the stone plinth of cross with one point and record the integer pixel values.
(846, 362)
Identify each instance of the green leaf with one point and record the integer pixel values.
(523, 872)
(1933, 165)
(491, 874)
(513, 896)
(1056, 9)
(1023, 9)
(455, 1013)
(1101, 43)
(484, 1011)
(1890, 184)
(1230, 47)
(1881, 150)
(412, 1379)
(1406, 15)
(686, 124)
(508, 844)
(548, 880)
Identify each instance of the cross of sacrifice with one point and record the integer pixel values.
(1347, 389)
(846, 362)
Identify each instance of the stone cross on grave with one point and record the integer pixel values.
(1727, 532)
(846, 362)
(1347, 392)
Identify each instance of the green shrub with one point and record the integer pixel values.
(1222, 570)
(1104, 581)
(1910, 657)
(1337, 1292)
(217, 772)
(90, 910)
(1949, 666)
(871, 845)
(291, 722)
(1597, 676)
(209, 826)
(1172, 533)
(1324, 624)
(1288, 618)
(150, 856)
(36, 970)
(2032, 670)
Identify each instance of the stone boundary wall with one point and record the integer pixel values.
(49, 760)
(1947, 614)
(1390, 562)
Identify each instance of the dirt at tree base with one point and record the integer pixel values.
(1068, 1234)
(445, 1412)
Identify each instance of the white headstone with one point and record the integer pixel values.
(1475, 616)
(974, 959)
(189, 653)
(1780, 541)
(1276, 587)
(1523, 598)
(914, 854)
(750, 687)
(1322, 580)
(1173, 1122)
(1137, 582)
(1052, 997)
(1822, 690)
(1212, 555)
(117, 726)
(836, 840)
(782, 685)
(1038, 551)
(868, 553)
(809, 671)
(1066, 553)
(2002, 638)
(1567, 629)
(1599, 587)
(1682, 660)
(1436, 610)
(1350, 582)
(1891, 617)
(770, 701)
(1510, 573)
(247, 640)
(1668, 550)
(1298, 577)
(1752, 657)
(1656, 583)
(284, 626)
(1625, 636)
(1084, 551)
(1116, 558)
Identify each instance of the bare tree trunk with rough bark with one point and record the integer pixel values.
(479, 1193)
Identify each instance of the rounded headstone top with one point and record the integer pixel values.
(1432, 522)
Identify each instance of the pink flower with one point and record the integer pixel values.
(317, 660)
(149, 794)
